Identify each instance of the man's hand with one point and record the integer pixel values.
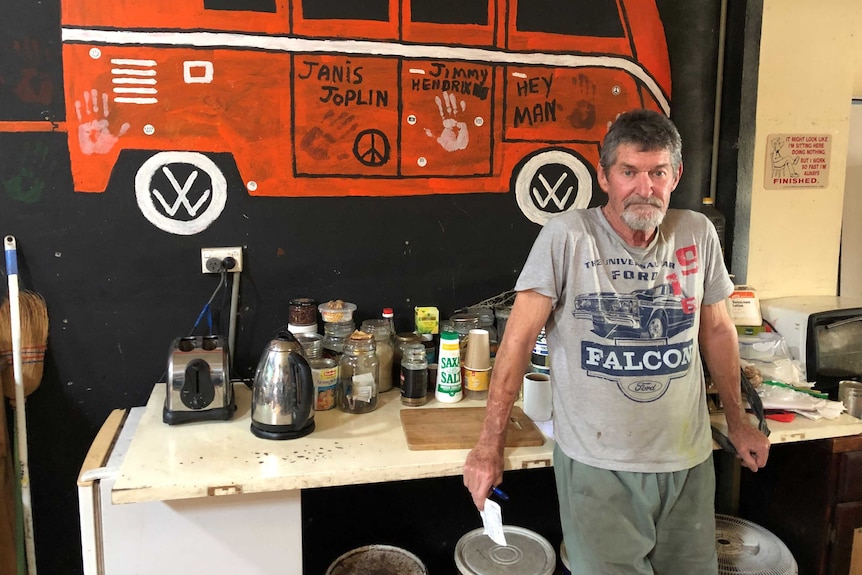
(752, 447)
(482, 471)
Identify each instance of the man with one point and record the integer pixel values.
(631, 295)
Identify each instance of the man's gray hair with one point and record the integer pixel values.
(647, 130)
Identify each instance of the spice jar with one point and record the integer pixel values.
(334, 336)
(414, 375)
(381, 329)
(358, 371)
(400, 340)
(302, 311)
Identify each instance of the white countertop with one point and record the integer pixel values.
(199, 459)
(204, 459)
(802, 428)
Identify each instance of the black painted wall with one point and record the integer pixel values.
(119, 290)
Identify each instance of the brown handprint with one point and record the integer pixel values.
(584, 114)
(317, 142)
(34, 84)
(455, 135)
(94, 135)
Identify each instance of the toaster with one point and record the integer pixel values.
(198, 385)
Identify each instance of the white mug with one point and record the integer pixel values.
(538, 405)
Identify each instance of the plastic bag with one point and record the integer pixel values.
(769, 353)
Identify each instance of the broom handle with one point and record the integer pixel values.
(20, 414)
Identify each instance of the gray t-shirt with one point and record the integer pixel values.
(622, 338)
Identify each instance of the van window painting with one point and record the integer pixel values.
(315, 98)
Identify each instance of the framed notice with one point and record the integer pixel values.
(797, 161)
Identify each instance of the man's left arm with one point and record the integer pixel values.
(720, 348)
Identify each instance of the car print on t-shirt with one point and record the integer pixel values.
(652, 313)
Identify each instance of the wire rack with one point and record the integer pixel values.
(504, 299)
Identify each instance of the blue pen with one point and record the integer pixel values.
(499, 493)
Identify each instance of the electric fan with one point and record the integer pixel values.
(745, 548)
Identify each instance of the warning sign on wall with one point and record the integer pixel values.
(797, 161)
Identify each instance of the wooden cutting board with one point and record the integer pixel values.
(459, 427)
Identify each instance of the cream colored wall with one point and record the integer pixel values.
(808, 73)
(857, 52)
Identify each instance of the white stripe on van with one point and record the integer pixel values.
(364, 47)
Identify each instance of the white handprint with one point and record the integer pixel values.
(455, 135)
(93, 133)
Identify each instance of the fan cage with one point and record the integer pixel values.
(745, 548)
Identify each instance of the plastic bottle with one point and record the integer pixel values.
(389, 315)
(448, 384)
(716, 217)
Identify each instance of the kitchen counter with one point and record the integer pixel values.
(203, 459)
(206, 495)
(223, 457)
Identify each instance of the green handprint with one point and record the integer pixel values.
(27, 185)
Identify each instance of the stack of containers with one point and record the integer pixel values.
(477, 365)
(337, 326)
(486, 322)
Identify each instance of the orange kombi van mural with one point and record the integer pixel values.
(354, 97)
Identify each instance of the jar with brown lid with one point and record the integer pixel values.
(358, 372)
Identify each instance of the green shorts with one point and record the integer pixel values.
(618, 522)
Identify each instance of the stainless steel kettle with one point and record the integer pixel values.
(282, 404)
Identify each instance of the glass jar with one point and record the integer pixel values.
(358, 371)
(334, 336)
(462, 323)
(399, 341)
(414, 375)
(486, 322)
(302, 311)
(381, 330)
(312, 344)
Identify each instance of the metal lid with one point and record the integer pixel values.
(527, 553)
(378, 560)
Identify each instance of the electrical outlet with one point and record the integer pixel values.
(212, 258)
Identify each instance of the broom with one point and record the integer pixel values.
(30, 336)
(34, 333)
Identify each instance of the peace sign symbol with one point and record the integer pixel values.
(371, 148)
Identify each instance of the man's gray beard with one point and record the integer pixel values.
(643, 223)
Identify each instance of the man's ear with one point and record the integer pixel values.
(602, 178)
(678, 176)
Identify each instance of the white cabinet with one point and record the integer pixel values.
(256, 533)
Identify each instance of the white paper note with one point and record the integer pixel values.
(492, 519)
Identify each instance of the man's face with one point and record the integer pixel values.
(638, 185)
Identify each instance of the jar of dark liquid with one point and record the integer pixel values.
(414, 375)
(400, 340)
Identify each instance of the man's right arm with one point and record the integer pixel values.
(484, 466)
